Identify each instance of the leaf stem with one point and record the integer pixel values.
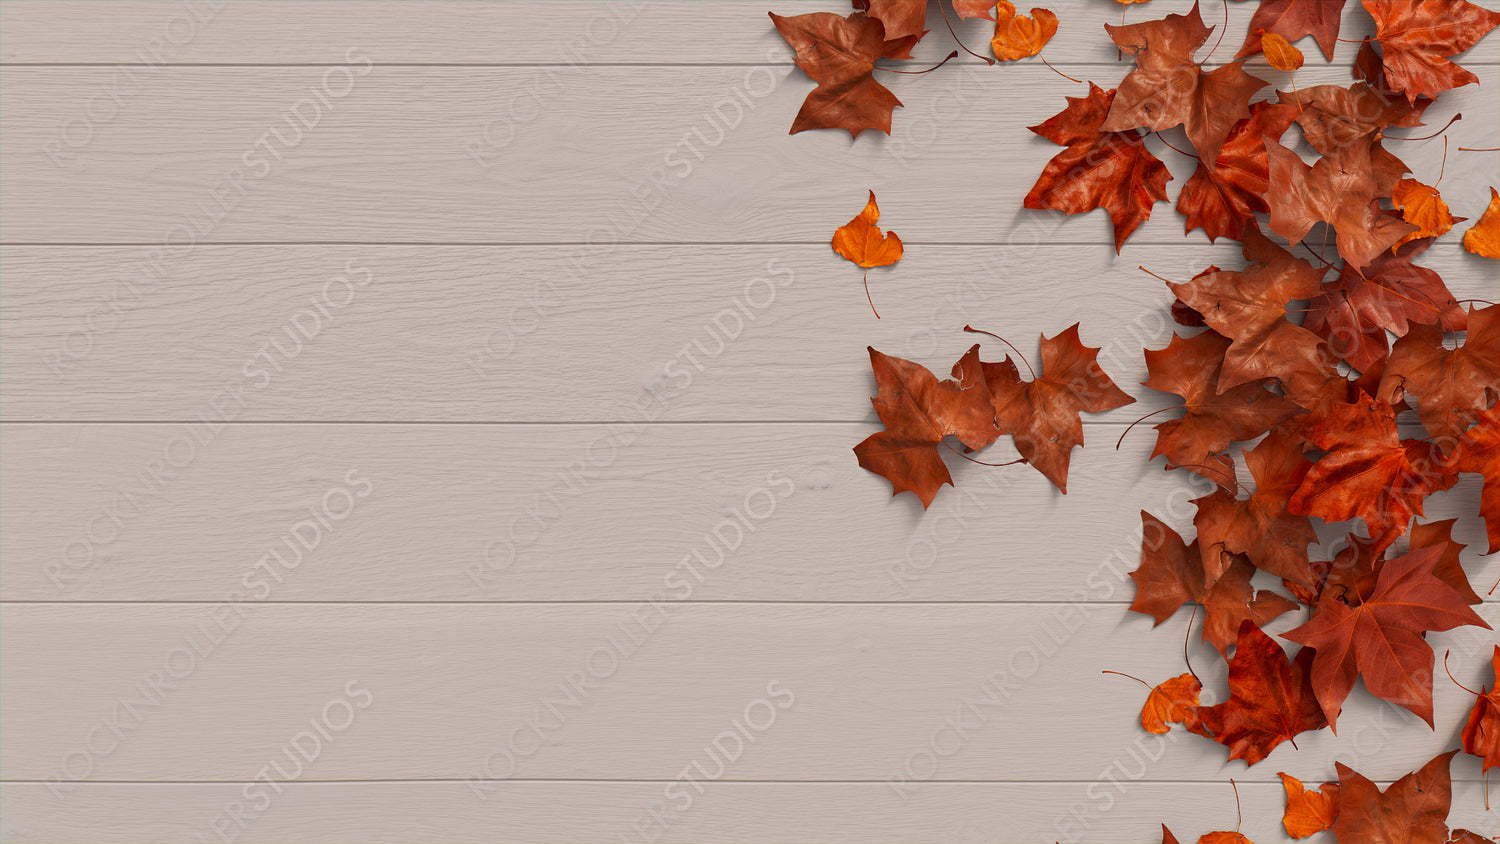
(1454, 119)
(942, 9)
(981, 462)
(973, 330)
(1455, 682)
(951, 56)
(1055, 70)
(1143, 419)
(867, 295)
(1131, 676)
(1176, 150)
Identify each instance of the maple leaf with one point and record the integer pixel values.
(1109, 170)
(1479, 452)
(1451, 385)
(1481, 735)
(1017, 36)
(861, 241)
(839, 53)
(1168, 89)
(1380, 638)
(1354, 311)
(1483, 238)
(1172, 702)
(1339, 189)
(1260, 526)
(1308, 812)
(918, 411)
(1224, 199)
(980, 9)
(901, 18)
(1042, 415)
(1293, 19)
(1414, 810)
(1280, 53)
(1367, 471)
(1332, 116)
(1270, 699)
(1249, 307)
(1422, 206)
(1190, 367)
(1417, 36)
(1172, 574)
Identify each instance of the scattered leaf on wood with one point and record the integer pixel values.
(1308, 812)
(1483, 238)
(1019, 36)
(1413, 810)
(1271, 699)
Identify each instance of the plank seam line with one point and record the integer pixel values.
(1260, 65)
(543, 602)
(586, 780)
(571, 243)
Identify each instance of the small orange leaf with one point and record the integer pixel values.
(861, 241)
(1422, 207)
(1280, 53)
(1309, 812)
(1483, 238)
(1017, 36)
(1223, 838)
(1172, 702)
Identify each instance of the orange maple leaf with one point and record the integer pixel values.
(1017, 36)
(862, 242)
(1308, 812)
(1483, 238)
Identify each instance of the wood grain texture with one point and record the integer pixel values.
(401, 157)
(939, 813)
(576, 513)
(509, 334)
(854, 691)
(578, 32)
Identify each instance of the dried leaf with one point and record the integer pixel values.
(1017, 36)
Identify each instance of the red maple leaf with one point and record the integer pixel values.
(1481, 735)
(1341, 189)
(1380, 638)
(1479, 452)
(839, 53)
(1261, 526)
(1414, 810)
(1222, 200)
(1270, 699)
(1293, 19)
(1109, 170)
(1451, 386)
(1417, 36)
(918, 411)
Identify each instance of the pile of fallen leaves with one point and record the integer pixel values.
(1308, 364)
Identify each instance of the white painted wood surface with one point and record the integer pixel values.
(489, 374)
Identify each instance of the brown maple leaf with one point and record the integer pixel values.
(1414, 810)
(839, 53)
(1481, 735)
(1270, 699)
(1249, 307)
(1332, 116)
(1293, 19)
(1261, 526)
(1367, 471)
(1308, 812)
(1109, 170)
(1172, 702)
(1042, 415)
(1483, 238)
(1479, 452)
(901, 18)
(1190, 367)
(1168, 89)
(1451, 386)
(1224, 199)
(1172, 574)
(918, 411)
(1339, 189)
(1380, 638)
(1417, 36)
(1354, 311)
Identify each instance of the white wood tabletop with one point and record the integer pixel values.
(370, 448)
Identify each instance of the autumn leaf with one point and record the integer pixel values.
(1109, 170)
(1017, 36)
(1354, 311)
(1481, 735)
(1280, 53)
(1380, 638)
(1483, 238)
(1423, 207)
(901, 18)
(1249, 307)
(1293, 19)
(1172, 702)
(1339, 189)
(1414, 810)
(1042, 415)
(861, 241)
(1168, 89)
(839, 53)
(1417, 36)
(1451, 386)
(918, 411)
(1223, 200)
(1190, 367)
(1308, 812)
(1332, 116)
(1479, 453)
(1172, 574)
(1270, 699)
(1260, 526)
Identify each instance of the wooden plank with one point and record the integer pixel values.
(620, 811)
(573, 513)
(400, 155)
(575, 33)
(513, 334)
(832, 692)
